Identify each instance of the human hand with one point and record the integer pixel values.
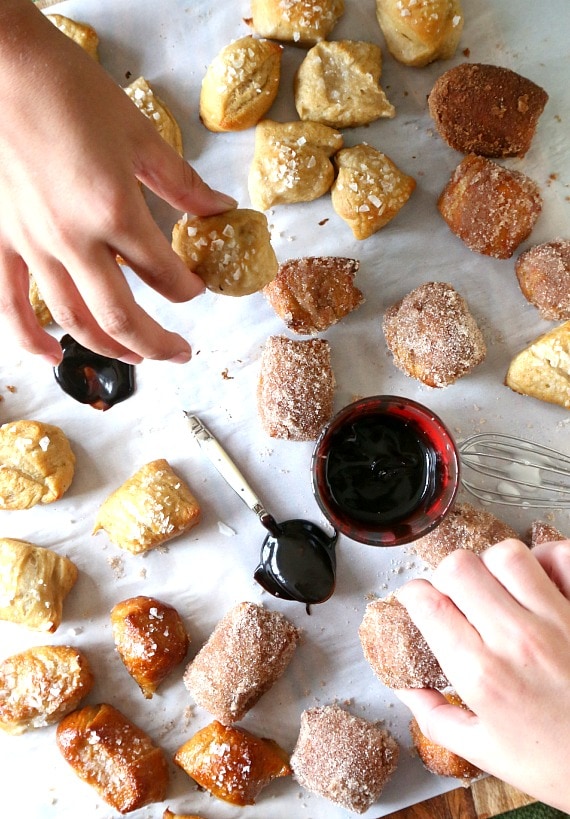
(73, 149)
(499, 624)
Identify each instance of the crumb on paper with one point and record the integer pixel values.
(224, 529)
(117, 565)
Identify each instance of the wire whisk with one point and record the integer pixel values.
(512, 471)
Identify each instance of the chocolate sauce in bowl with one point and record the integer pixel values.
(378, 470)
(91, 378)
(385, 470)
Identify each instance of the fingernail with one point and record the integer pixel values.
(52, 360)
(226, 200)
(182, 357)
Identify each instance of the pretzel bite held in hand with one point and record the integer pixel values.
(395, 648)
(113, 755)
(150, 638)
(232, 763)
(231, 252)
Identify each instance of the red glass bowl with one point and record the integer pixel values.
(347, 494)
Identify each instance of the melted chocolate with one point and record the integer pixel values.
(379, 470)
(297, 562)
(91, 378)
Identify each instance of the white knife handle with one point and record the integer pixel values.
(225, 466)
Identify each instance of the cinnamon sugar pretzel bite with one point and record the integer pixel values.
(295, 390)
(245, 655)
(465, 527)
(490, 208)
(433, 336)
(312, 293)
(346, 759)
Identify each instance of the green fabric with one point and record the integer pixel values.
(535, 811)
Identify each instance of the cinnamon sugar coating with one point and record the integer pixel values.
(486, 109)
(542, 532)
(150, 638)
(245, 655)
(439, 760)
(433, 336)
(312, 293)
(490, 208)
(343, 758)
(296, 388)
(543, 273)
(232, 763)
(465, 527)
(395, 648)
